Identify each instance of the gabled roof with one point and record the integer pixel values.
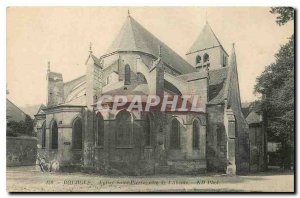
(13, 112)
(134, 37)
(206, 39)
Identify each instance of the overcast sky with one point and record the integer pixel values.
(62, 36)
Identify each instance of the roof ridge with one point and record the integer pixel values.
(202, 43)
(131, 27)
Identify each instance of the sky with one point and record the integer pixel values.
(61, 35)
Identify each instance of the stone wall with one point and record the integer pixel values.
(21, 151)
(216, 139)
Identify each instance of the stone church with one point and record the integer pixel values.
(216, 139)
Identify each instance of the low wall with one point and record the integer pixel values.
(21, 151)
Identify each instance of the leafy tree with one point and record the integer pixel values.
(285, 14)
(276, 84)
(20, 128)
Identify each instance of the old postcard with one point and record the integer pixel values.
(150, 99)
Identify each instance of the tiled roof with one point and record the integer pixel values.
(193, 76)
(217, 81)
(134, 37)
(206, 39)
(69, 86)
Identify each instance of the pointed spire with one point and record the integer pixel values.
(90, 49)
(232, 56)
(48, 66)
(128, 13)
(159, 51)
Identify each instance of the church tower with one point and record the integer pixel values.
(207, 52)
(55, 88)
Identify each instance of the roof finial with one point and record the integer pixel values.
(206, 16)
(48, 66)
(128, 12)
(159, 51)
(233, 45)
(91, 51)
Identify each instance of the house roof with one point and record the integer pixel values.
(13, 112)
(33, 110)
(254, 118)
(205, 40)
(135, 38)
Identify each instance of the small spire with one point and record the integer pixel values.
(159, 51)
(206, 17)
(48, 66)
(233, 45)
(128, 12)
(91, 51)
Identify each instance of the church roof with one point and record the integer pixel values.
(205, 40)
(193, 76)
(217, 85)
(134, 37)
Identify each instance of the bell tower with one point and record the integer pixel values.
(207, 52)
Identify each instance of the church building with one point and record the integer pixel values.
(216, 139)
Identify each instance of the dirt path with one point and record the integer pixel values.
(20, 180)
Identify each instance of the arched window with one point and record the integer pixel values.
(44, 135)
(175, 134)
(54, 135)
(127, 74)
(123, 129)
(198, 59)
(100, 130)
(148, 131)
(77, 134)
(196, 134)
(205, 58)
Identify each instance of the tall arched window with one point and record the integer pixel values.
(54, 135)
(148, 131)
(196, 134)
(205, 58)
(198, 59)
(77, 134)
(127, 74)
(44, 135)
(175, 134)
(100, 130)
(123, 129)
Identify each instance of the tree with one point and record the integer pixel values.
(285, 14)
(276, 84)
(20, 128)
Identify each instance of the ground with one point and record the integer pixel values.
(30, 179)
